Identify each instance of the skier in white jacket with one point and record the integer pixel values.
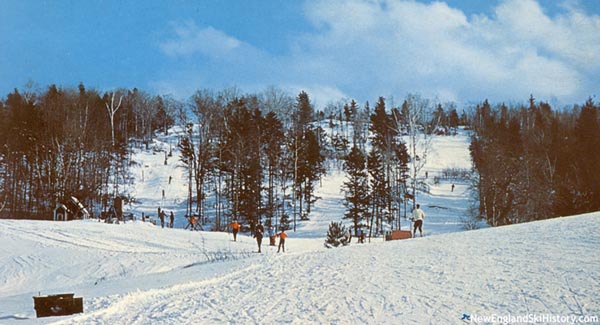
(417, 216)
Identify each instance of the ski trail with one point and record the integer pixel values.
(436, 278)
(262, 292)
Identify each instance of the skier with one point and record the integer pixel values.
(282, 236)
(347, 237)
(235, 227)
(258, 234)
(192, 222)
(161, 215)
(172, 218)
(272, 236)
(417, 216)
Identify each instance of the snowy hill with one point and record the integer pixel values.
(444, 207)
(138, 273)
(141, 274)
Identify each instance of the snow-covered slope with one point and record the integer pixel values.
(444, 207)
(141, 274)
(138, 273)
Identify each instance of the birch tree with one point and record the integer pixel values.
(112, 107)
(415, 110)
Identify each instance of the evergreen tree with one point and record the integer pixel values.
(384, 163)
(302, 139)
(379, 189)
(273, 140)
(533, 163)
(402, 174)
(335, 235)
(304, 109)
(587, 157)
(439, 120)
(241, 160)
(311, 166)
(356, 189)
(188, 159)
(453, 119)
(162, 119)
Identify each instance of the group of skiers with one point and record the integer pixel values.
(360, 234)
(162, 214)
(259, 232)
(417, 217)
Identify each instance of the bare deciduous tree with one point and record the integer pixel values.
(415, 110)
(109, 102)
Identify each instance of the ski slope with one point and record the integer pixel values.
(141, 274)
(445, 208)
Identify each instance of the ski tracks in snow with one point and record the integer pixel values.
(535, 268)
(271, 288)
(259, 292)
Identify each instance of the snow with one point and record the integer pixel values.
(139, 273)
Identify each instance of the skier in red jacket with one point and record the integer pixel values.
(282, 236)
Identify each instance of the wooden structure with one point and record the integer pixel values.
(61, 212)
(57, 305)
(71, 210)
(398, 234)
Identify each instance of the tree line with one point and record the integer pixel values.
(259, 157)
(63, 142)
(533, 162)
(252, 157)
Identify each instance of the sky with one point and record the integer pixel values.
(460, 51)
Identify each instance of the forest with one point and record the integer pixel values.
(258, 157)
(534, 162)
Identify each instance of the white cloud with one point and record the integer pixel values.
(189, 39)
(395, 47)
(572, 35)
(319, 95)
(366, 49)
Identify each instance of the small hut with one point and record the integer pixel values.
(61, 212)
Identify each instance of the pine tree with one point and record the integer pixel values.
(587, 134)
(311, 166)
(188, 159)
(335, 235)
(388, 157)
(379, 189)
(273, 139)
(304, 109)
(453, 119)
(241, 159)
(439, 120)
(356, 189)
(300, 154)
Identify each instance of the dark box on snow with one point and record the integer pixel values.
(57, 305)
(398, 234)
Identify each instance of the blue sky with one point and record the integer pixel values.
(461, 51)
